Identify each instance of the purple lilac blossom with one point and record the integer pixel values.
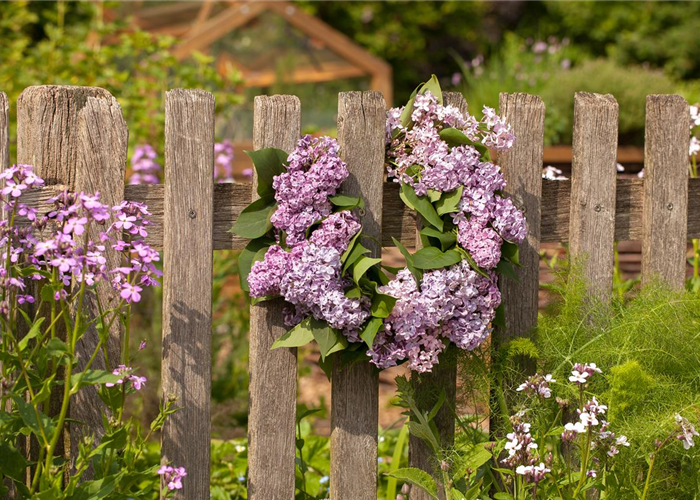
(314, 173)
(455, 304)
(309, 276)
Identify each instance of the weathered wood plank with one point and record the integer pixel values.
(101, 163)
(4, 131)
(665, 216)
(593, 198)
(354, 389)
(400, 223)
(428, 386)
(53, 135)
(522, 168)
(187, 284)
(273, 374)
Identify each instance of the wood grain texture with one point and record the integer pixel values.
(354, 389)
(230, 199)
(428, 386)
(58, 131)
(593, 175)
(665, 216)
(273, 374)
(522, 168)
(187, 284)
(101, 163)
(4, 131)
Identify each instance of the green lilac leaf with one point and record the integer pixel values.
(449, 202)
(382, 305)
(369, 332)
(433, 85)
(405, 119)
(362, 266)
(447, 240)
(511, 252)
(357, 251)
(422, 205)
(329, 339)
(254, 221)
(268, 163)
(505, 268)
(416, 477)
(296, 337)
(417, 273)
(346, 201)
(434, 258)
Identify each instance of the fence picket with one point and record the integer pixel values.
(665, 216)
(522, 168)
(354, 389)
(75, 137)
(428, 386)
(593, 189)
(187, 284)
(273, 374)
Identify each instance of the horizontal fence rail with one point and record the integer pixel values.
(398, 221)
(76, 138)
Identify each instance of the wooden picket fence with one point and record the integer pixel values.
(76, 138)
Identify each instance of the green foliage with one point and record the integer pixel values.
(412, 40)
(71, 43)
(649, 351)
(662, 34)
(629, 85)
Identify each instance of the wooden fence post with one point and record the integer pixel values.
(273, 374)
(77, 137)
(428, 386)
(665, 218)
(187, 284)
(522, 168)
(354, 389)
(593, 189)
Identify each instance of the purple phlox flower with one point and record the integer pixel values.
(533, 473)
(581, 373)
(130, 293)
(145, 169)
(172, 476)
(537, 385)
(223, 161)
(686, 432)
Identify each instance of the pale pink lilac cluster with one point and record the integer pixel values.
(309, 276)
(126, 374)
(314, 173)
(60, 241)
(455, 304)
(172, 476)
(417, 156)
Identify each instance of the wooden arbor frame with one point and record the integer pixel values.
(198, 33)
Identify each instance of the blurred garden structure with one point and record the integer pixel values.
(276, 47)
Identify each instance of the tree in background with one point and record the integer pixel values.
(71, 43)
